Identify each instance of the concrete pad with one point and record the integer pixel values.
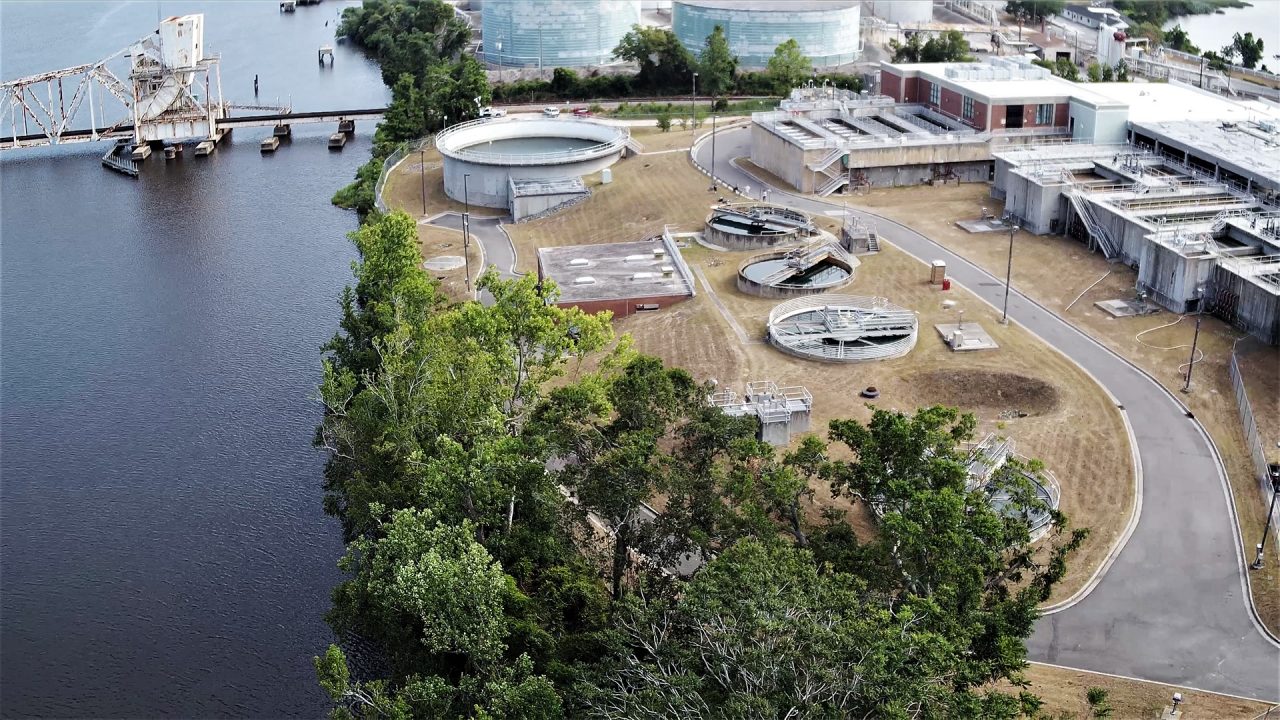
(1125, 308)
(982, 226)
(974, 337)
(445, 262)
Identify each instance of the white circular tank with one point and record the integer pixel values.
(482, 156)
(555, 33)
(826, 30)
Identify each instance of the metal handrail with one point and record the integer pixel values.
(605, 148)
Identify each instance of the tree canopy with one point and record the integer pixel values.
(663, 60)
(1034, 9)
(788, 67)
(716, 64)
(947, 46)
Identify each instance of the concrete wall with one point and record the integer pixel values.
(782, 158)
(523, 207)
(1170, 278)
(1098, 125)
(1244, 305)
(622, 307)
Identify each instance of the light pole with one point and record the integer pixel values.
(422, 170)
(1191, 364)
(1266, 530)
(693, 107)
(466, 229)
(499, 45)
(713, 153)
(1008, 274)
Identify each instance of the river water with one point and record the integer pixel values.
(1214, 30)
(163, 552)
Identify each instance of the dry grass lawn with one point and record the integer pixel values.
(435, 241)
(403, 189)
(1063, 691)
(1054, 271)
(1092, 462)
(648, 192)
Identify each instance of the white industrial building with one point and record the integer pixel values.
(827, 31)
(1179, 183)
(555, 33)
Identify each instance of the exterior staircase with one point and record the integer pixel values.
(1097, 232)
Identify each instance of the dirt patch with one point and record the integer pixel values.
(1001, 392)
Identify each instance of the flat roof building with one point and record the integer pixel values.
(623, 278)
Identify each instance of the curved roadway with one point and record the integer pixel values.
(1173, 606)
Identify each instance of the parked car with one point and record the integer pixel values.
(581, 112)
(492, 112)
(551, 111)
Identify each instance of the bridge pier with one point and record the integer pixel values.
(346, 126)
(283, 130)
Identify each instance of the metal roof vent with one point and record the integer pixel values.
(584, 280)
(579, 262)
(643, 275)
(636, 258)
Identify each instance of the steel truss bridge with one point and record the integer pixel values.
(133, 95)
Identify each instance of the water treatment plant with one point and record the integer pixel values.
(483, 159)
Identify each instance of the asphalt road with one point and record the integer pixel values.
(1172, 607)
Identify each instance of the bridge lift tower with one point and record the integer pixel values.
(177, 90)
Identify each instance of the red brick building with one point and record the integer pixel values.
(983, 96)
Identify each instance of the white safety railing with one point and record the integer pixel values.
(392, 160)
(616, 144)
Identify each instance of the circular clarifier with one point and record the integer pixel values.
(483, 158)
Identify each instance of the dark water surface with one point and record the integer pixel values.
(162, 548)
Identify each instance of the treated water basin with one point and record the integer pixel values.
(823, 274)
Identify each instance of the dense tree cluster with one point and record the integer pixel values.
(492, 465)
(947, 46)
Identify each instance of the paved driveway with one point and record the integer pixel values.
(1172, 607)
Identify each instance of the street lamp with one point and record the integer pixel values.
(713, 153)
(422, 170)
(499, 46)
(466, 230)
(1266, 530)
(693, 106)
(1191, 364)
(1008, 272)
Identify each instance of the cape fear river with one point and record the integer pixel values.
(163, 552)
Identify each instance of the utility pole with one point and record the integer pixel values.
(1008, 274)
(1266, 529)
(422, 170)
(713, 153)
(693, 108)
(1191, 365)
(466, 230)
